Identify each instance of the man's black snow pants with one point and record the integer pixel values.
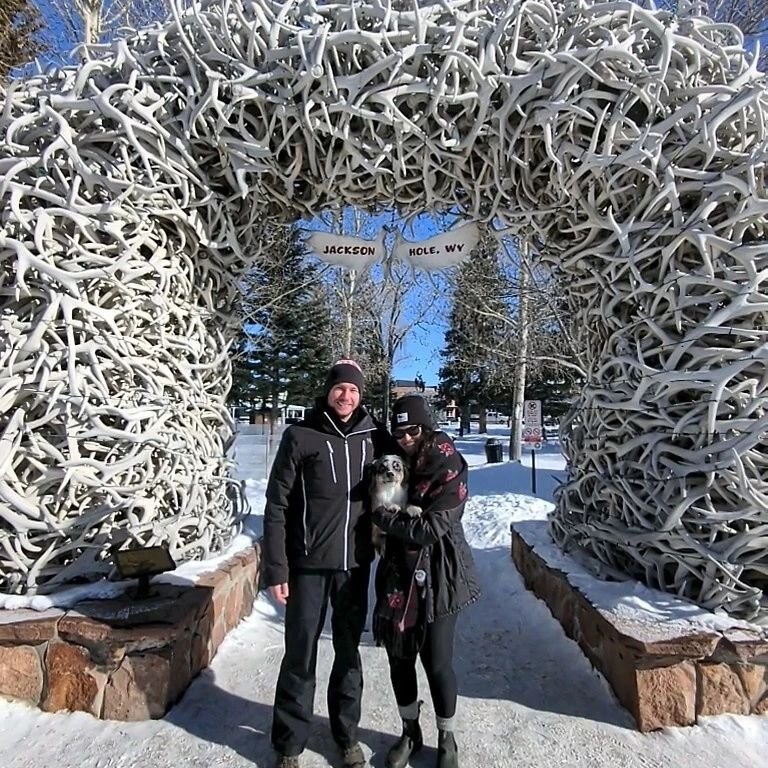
(309, 593)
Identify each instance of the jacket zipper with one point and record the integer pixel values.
(349, 508)
(306, 510)
(330, 458)
(349, 479)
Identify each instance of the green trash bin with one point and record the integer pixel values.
(494, 451)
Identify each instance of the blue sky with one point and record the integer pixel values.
(422, 356)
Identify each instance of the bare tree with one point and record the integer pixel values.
(552, 339)
(20, 40)
(377, 307)
(348, 288)
(521, 369)
(400, 305)
(97, 21)
(534, 339)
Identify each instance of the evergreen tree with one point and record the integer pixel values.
(282, 352)
(555, 386)
(20, 27)
(478, 327)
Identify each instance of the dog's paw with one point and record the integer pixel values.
(413, 510)
(387, 509)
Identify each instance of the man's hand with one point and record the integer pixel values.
(279, 592)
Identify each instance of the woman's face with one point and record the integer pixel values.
(409, 438)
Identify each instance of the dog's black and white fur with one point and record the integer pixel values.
(389, 489)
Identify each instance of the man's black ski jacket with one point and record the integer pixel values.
(315, 515)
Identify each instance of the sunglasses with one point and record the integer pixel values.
(413, 431)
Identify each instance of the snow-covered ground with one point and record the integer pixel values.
(529, 698)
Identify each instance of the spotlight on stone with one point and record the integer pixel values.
(141, 563)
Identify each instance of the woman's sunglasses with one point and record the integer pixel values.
(413, 431)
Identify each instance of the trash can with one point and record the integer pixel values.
(494, 451)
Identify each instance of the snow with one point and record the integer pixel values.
(528, 696)
(646, 614)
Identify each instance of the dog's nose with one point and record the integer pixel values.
(390, 475)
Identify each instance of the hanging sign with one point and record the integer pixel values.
(346, 251)
(444, 250)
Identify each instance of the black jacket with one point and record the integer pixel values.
(314, 515)
(438, 484)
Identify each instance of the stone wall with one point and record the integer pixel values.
(663, 680)
(125, 659)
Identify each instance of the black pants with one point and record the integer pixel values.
(309, 592)
(437, 657)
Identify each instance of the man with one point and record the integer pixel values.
(317, 547)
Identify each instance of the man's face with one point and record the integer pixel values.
(344, 399)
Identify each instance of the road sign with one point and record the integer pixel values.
(533, 436)
(533, 433)
(532, 413)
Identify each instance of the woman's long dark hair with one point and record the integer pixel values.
(428, 442)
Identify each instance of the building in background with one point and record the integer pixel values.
(415, 386)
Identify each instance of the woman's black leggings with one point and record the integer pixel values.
(437, 657)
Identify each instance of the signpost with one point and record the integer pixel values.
(532, 433)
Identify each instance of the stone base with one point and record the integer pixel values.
(663, 678)
(125, 659)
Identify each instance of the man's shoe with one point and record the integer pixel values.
(353, 756)
(287, 761)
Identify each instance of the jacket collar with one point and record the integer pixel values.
(321, 419)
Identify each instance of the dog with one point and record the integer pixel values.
(389, 489)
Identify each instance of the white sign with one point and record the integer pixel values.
(532, 413)
(346, 251)
(441, 251)
(532, 435)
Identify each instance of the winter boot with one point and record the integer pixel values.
(411, 740)
(447, 751)
(353, 757)
(287, 761)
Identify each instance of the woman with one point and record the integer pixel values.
(426, 577)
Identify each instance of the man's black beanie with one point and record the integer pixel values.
(344, 372)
